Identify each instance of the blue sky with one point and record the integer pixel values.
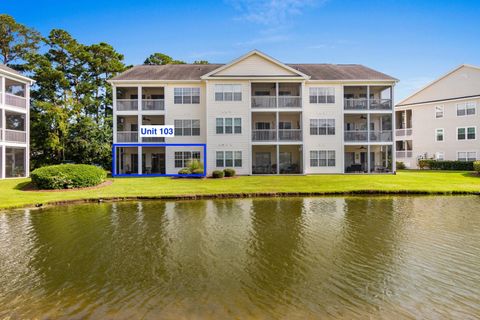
(414, 41)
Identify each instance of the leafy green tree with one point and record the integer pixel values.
(201, 62)
(16, 40)
(161, 59)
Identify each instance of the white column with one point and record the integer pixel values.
(27, 131)
(368, 139)
(368, 97)
(114, 113)
(140, 160)
(278, 159)
(368, 158)
(2, 88)
(2, 167)
(394, 144)
(3, 164)
(139, 116)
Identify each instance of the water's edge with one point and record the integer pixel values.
(239, 196)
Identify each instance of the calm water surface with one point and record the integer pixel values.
(294, 258)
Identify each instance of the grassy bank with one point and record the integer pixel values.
(440, 182)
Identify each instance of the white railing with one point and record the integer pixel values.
(403, 132)
(1, 95)
(356, 135)
(381, 136)
(153, 104)
(127, 136)
(264, 102)
(153, 139)
(15, 136)
(404, 153)
(264, 135)
(356, 104)
(366, 104)
(289, 102)
(290, 134)
(1, 135)
(127, 104)
(16, 101)
(380, 104)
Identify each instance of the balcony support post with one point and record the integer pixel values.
(3, 165)
(140, 162)
(394, 145)
(114, 113)
(368, 97)
(278, 158)
(368, 158)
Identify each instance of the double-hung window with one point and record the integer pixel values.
(228, 92)
(438, 112)
(439, 135)
(322, 158)
(466, 156)
(186, 95)
(322, 127)
(182, 158)
(467, 133)
(228, 159)
(322, 95)
(466, 108)
(228, 125)
(187, 127)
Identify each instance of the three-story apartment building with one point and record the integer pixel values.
(440, 121)
(256, 115)
(14, 123)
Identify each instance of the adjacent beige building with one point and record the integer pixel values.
(256, 115)
(441, 120)
(14, 123)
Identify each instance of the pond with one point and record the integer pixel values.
(290, 258)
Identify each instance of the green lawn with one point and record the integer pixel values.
(11, 194)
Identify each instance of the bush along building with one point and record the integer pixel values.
(256, 115)
(14, 123)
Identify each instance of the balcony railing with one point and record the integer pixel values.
(356, 135)
(264, 135)
(264, 102)
(127, 136)
(403, 132)
(367, 104)
(127, 104)
(153, 104)
(153, 139)
(15, 136)
(404, 153)
(289, 102)
(16, 101)
(381, 136)
(290, 134)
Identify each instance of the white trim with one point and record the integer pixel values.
(443, 135)
(466, 133)
(17, 77)
(251, 53)
(466, 155)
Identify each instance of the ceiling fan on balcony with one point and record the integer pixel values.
(146, 119)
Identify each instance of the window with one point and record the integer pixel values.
(322, 127)
(322, 95)
(439, 156)
(439, 134)
(322, 158)
(466, 156)
(468, 133)
(182, 158)
(187, 127)
(438, 112)
(262, 125)
(186, 95)
(282, 125)
(228, 125)
(466, 109)
(229, 159)
(228, 92)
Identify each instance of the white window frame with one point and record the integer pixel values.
(187, 95)
(322, 127)
(466, 133)
(467, 156)
(183, 157)
(436, 134)
(235, 156)
(321, 95)
(465, 106)
(439, 109)
(186, 125)
(323, 158)
(228, 92)
(235, 128)
(440, 155)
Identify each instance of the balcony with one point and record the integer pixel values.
(15, 136)
(368, 136)
(363, 98)
(264, 102)
(264, 135)
(127, 104)
(380, 104)
(16, 101)
(127, 136)
(404, 154)
(403, 132)
(365, 104)
(289, 102)
(290, 135)
(153, 139)
(273, 135)
(355, 104)
(153, 104)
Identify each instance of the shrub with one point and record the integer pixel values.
(476, 166)
(445, 165)
(193, 167)
(217, 174)
(67, 176)
(229, 172)
(401, 165)
(184, 171)
(197, 171)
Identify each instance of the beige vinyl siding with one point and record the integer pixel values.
(255, 65)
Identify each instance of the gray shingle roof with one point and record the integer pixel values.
(195, 71)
